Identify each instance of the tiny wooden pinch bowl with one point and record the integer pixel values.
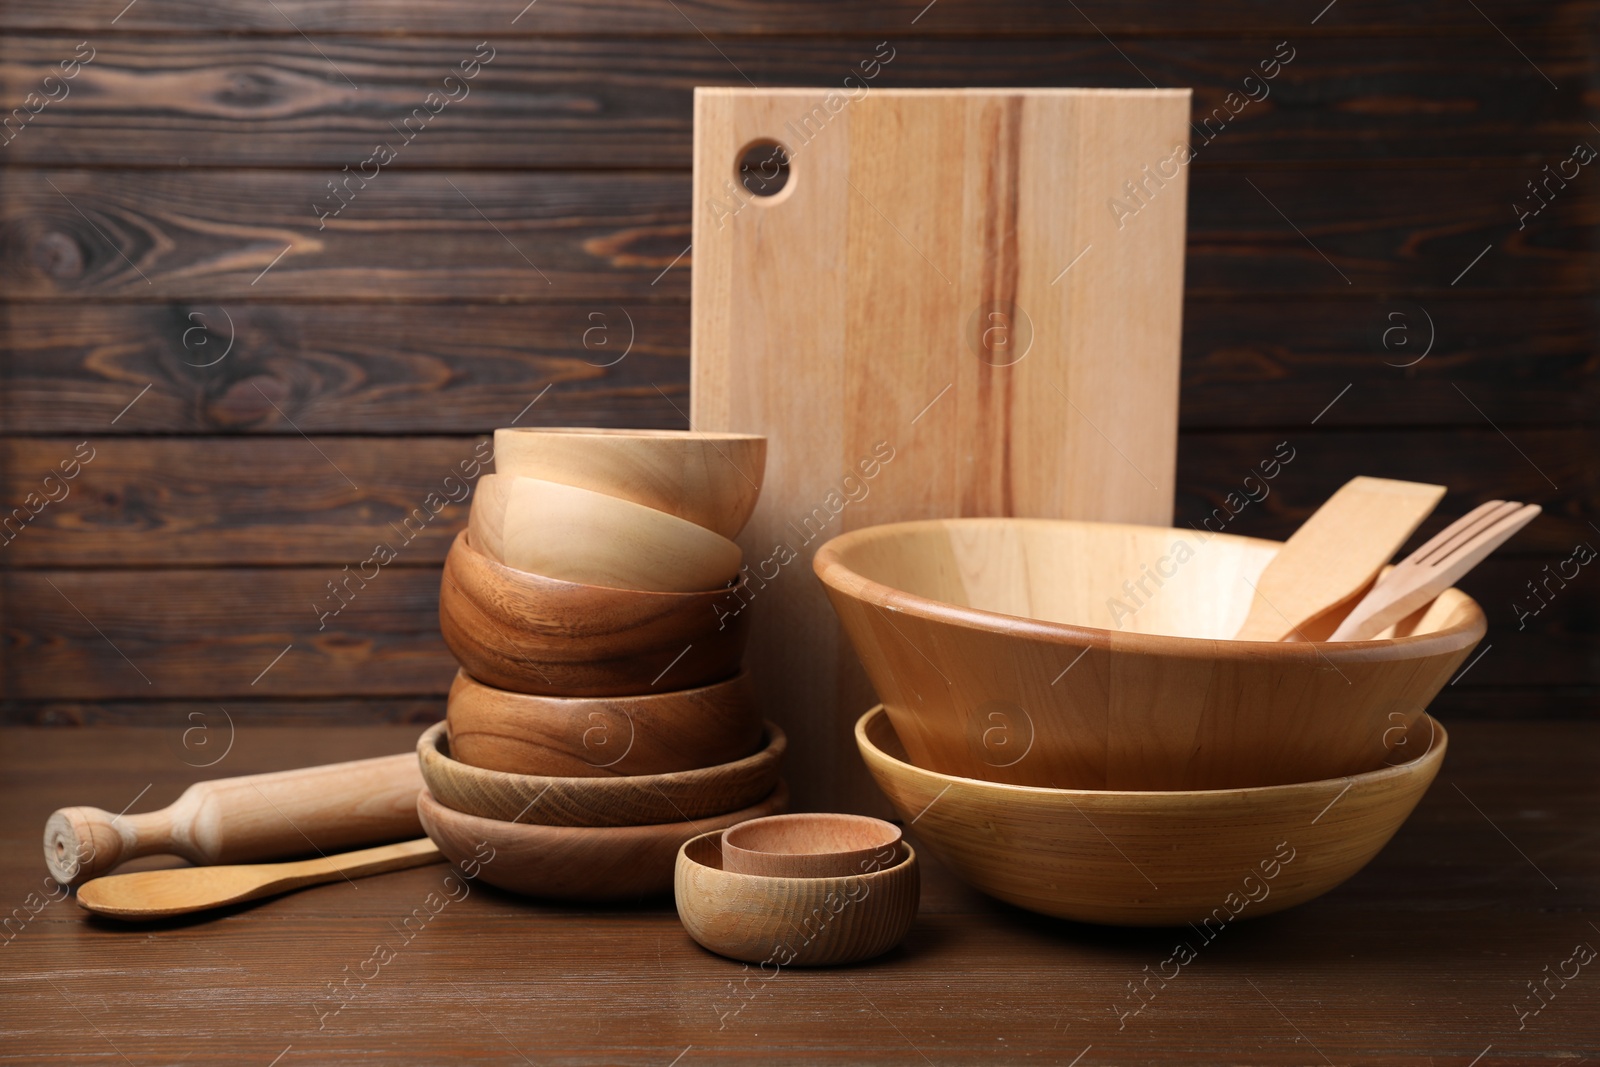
(531, 634)
(810, 845)
(646, 798)
(579, 535)
(576, 737)
(1012, 650)
(710, 479)
(581, 863)
(1153, 858)
(799, 922)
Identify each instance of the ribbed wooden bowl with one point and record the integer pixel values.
(710, 479)
(799, 922)
(647, 798)
(527, 633)
(580, 863)
(1012, 650)
(576, 737)
(1153, 858)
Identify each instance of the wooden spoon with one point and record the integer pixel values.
(159, 894)
(1433, 568)
(1336, 553)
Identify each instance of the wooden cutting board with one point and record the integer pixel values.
(957, 304)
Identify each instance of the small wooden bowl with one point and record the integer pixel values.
(810, 845)
(579, 535)
(1153, 858)
(646, 798)
(794, 922)
(531, 634)
(577, 737)
(580, 863)
(1012, 650)
(710, 479)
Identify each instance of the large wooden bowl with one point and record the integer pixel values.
(1149, 858)
(581, 863)
(579, 535)
(799, 922)
(647, 798)
(995, 646)
(710, 479)
(575, 737)
(531, 634)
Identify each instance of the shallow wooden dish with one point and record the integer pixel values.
(531, 634)
(810, 845)
(581, 863)
(794, 922)
(1153, 858)
(576, 737)
(710, 479)
(994, 645)
(579, 535)
(646, 798)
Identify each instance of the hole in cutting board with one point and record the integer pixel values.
(763, 168)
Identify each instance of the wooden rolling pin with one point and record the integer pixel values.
(241, 820)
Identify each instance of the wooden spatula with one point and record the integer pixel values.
(159, 894)
(1434, 567)
(1336, 553)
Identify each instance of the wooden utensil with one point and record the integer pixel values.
(1011, 650)
(239, 820)
(962, 302)
(801, 922)
(1433, 568)
(711, 479)
(646, 798)
(579, 535)
(1335, 554)
(810, 845)
(581, 863)
(530, 634)
(1154, 858)
(602, 737)
(161, 894)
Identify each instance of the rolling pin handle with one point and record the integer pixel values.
(83, 843)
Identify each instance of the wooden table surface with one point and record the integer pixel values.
(1429, 956)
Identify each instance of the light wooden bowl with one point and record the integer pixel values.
(579, 535)
(710, 479)
(994, 645)
(579, 863)
(794, 922)
(1152, 858)
(531, 634)
(810, 845)
(648, 798)
(575, 737)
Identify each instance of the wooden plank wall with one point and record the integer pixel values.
(249, 398)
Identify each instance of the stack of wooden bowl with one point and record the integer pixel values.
(1073, 728)
(600, 717)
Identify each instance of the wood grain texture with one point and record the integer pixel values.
(821, 272)
(810, 845)
(621, 800)
(602, 736)
(188, 235)
(1157, 858)
(1098, 656)
(146, 895)
(469, 368)
(903, 17)
(1385, 951)
(324, 808)
(800, 920)
(229, 101)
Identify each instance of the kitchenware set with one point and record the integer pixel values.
(1084, 712)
